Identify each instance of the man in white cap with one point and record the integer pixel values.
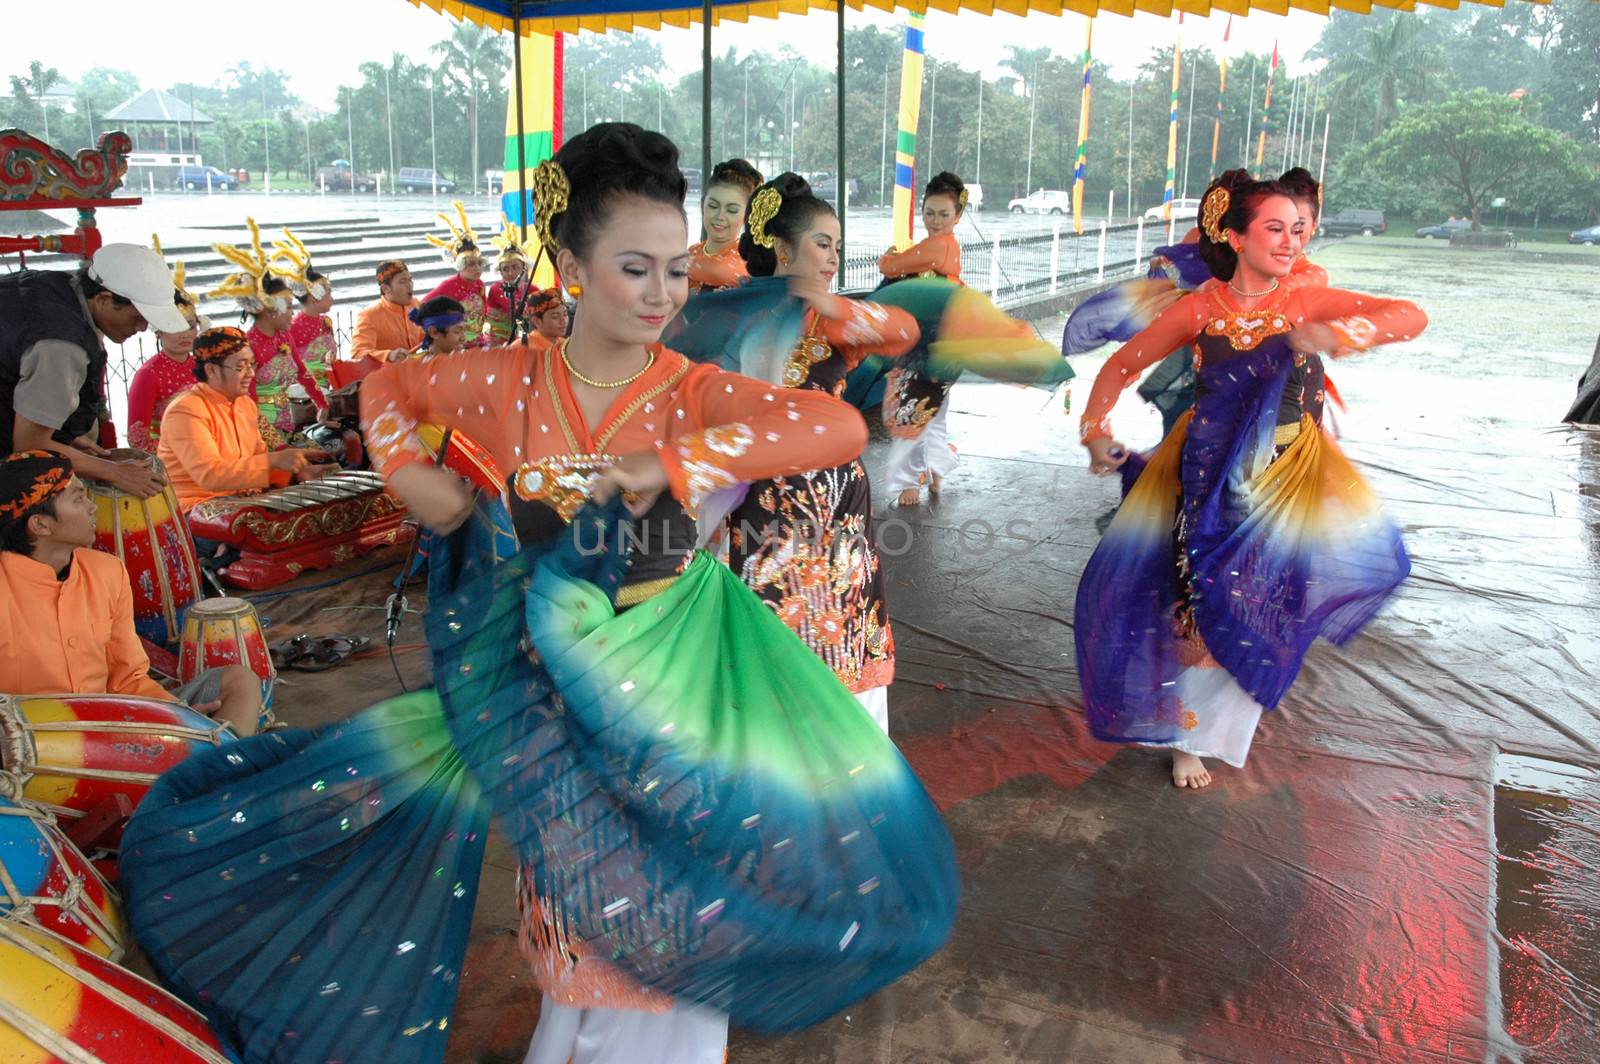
(53, 326)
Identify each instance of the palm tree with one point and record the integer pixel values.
(471, 54)
(1025, 63)
(40, 80)
(1395, 61)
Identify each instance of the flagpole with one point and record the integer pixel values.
(1172, 122)
(1327, 123)
(1188, 135)
(1222, 88)
(1250, 115)
(1266, 109)
(1081, 166)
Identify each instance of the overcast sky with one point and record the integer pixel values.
(167, 41)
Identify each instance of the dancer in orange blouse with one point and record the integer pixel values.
(715, 262)
(607, 409)
(913, 403)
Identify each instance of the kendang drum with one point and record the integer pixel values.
(152, 541)
(59, 1002)
(225, 631)
(47, 882)
(73, 753)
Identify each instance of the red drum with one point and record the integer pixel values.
(152, 541)
(465, 457)
(226, 631)
(47, 882)
(72, 753)
(59, 1002)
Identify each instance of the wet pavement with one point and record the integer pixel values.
(1408, 869)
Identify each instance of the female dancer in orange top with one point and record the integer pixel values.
(913, 403)
(1248, 534)
(608, 406)
(714, 262)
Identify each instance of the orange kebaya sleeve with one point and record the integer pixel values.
(750, 430)
(470, 391)
(936, 254)
(186, 428)
(1173, 328)
(869, 329)
(1361, 320)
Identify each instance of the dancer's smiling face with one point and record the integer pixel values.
(634, 276)
(722, 213)
(1270, 242)
(940, 212)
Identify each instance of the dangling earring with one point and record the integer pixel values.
(783, 260)
(575, 290)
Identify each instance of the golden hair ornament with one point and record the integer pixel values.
(248, 285)
(462, 239)
(1215, 205)
(961, 200)
(551, 194)
(296, 261)
(763, 209)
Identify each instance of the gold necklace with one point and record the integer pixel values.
(1254, 295)
(650, 360)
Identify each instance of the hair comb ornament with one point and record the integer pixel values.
(1216, 204)
(763, 209)
(552, 192)
(248, 286)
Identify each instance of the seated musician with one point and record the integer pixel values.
(444, 325)
(547, 312)
(384, 330)
(211, 440)
(66, 610)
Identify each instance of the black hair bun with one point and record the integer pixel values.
(736, 172)
(608, 160)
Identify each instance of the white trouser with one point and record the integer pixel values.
(1221, 717)
(687, 1034)
(929, 454)
(876, 702)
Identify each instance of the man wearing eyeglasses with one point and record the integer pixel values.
(210, 437)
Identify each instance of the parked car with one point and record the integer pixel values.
(1043, 201)
(1353, 220)
(691, 174)
(824, 188)
(422, 179)
(1589, 236)
(1444, 230)
(198, 177)
(1187, 207)
(974, 197)
(339, 177)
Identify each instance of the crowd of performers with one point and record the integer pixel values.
(671, 696)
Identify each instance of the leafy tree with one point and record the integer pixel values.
(1475, 145)
(1572, 93)
(470, 57)
(39, 80)
(1395, 58)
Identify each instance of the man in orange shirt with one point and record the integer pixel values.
(211, 438)
(66, 610)
(547, 311)
(385, 331)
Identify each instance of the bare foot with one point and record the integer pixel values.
(1189, 771)
(934, 484)
(909, 498)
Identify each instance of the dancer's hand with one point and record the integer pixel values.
(1315, 337)
(641, 477)
(436, 497)
(1105, 456)
(816, 295)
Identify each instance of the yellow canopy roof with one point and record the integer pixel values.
(602, 15)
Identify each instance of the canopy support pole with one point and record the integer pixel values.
(839, 182)
(522, 149)
(705, 96)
